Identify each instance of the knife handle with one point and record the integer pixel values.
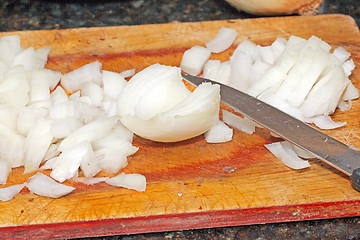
(355, 179)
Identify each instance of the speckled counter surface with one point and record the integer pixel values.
(59, 14)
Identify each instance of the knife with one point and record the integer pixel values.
(336, 154)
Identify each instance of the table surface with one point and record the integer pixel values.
(18, 15)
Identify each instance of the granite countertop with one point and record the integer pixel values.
(18, 15)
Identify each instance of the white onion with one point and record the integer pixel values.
(351, 92)
(14, 87)
(12, 146)
(303, 153)
(89, 181)
(10, 192)
(89, 164)
(39, 94)
(4, 171)
(68, 162)
(62, 128)
(194, 59)
(9, 48)
(36, 144)
(222, 41)
(217, 71)
(130, 181)
(341, 54)
(93, 91)
(43, 185)
(156, 105)
(8, 115)
(90, 72)
(285, 153)
(58, 96)
(31, 59)
(128, 73)
(242, 124)
(113, 83)
(348, 66)
(90, 132)
(325, 122)
(219, 133)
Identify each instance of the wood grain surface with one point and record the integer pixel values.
(189, 183)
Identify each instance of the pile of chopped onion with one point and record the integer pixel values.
(41, 127)
(92, 130)
(301, 77)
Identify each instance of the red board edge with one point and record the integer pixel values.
(184, 221)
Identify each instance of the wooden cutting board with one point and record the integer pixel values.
(191, 184)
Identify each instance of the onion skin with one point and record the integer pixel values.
(277, 7)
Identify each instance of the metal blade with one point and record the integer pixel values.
(326, 148)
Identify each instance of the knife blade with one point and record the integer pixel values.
(331, 151)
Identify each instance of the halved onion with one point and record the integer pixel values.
(156, 105)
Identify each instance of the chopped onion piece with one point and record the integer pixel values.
(217, 71)
(89, 180)
(58, 96)
(341, 54)
(89, 164)
(325, 94)
(325, 122)
(219, 133)
(128, 73)
(222, 41)
(266, 54)
(8, 115)
(9, 193)
(12, 147)
(36, 144)
(64, 127)
(4, 171)
(68, 162)
(39, 89)
(90, 72)
(246, 47)
(14, 87)
(348, 66)
(43, 185)
(93, 91)
(351, 92)
(303, 153)
(243, 124)
(194, 59)
(240, 71)
(113, 83)
(31, 59)
(343, 106)
(111, 160)
(90, 132)
(130, 181)
(9, 47)
(285, 153)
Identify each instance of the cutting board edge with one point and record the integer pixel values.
(185, 221)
